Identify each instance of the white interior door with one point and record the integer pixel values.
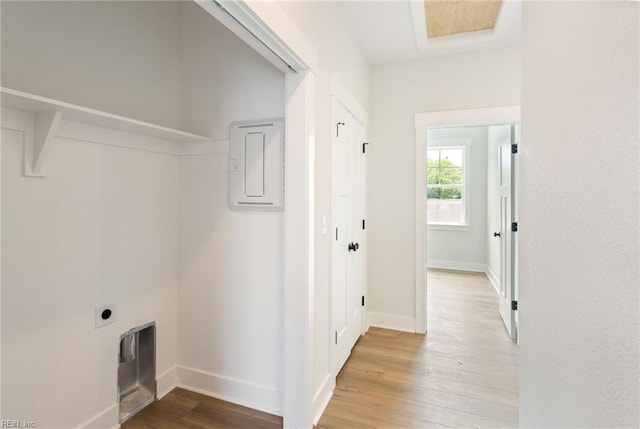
(507, 248)
(348, 173)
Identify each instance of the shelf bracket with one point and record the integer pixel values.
(45, 128)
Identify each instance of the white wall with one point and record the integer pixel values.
(130, 59)
(199, 79)
(579, 249)
(398, 92)
(463, 249)
(221, 78)
(324, 25)
(104, 224)
(496, 136)
(230, 261)
(100, 228)
(339, 56)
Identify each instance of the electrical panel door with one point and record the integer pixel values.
(256, 164)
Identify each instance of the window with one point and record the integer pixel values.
(446, 186)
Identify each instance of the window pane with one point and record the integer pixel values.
(445, 211)
(444, 192)
(445, 186)
(451, 157)
(433, 155)
(450, 175)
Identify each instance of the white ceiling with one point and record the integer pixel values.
(393, 30)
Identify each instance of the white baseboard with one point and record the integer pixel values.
(322, 397)
(166, 382)
(456, 265)
(252, 395)
(391, 321)
(107, 419)
(493, 279)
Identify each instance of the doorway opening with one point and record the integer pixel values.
(466, 210)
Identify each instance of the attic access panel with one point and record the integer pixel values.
(445, 18)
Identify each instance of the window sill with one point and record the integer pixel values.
(447, 227)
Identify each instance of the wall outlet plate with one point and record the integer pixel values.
(105, 314)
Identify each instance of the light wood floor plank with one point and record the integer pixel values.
(463, 373)
(182, 409)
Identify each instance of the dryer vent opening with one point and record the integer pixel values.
(137, 370)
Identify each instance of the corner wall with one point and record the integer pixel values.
(100, 228)
(103, 226)
(230, 301)
(129, 55)
(398, 92)
(579, 254)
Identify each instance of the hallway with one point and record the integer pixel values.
(464, 373)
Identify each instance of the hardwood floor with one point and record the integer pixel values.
(464, 373)
(182, 409)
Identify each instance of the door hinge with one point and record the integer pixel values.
(336, 233)
(514, 148)
(514, 305)
(338, 128)
(364, 147)
(362, 223)
(514, 226)
(336, 337)
(363, 300)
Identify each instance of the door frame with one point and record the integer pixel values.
(442, 119)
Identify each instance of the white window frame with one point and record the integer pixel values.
(465, 145)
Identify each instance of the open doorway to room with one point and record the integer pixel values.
(470, 205)
(466, 210)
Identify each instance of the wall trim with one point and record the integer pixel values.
(109, 137)
(322, 397)
(472, 117)
(166, 382)
(212, 147)
(299, 248)
(106, 419)
(456, 265)
(493, 279)
(241, 392)
(77, 131)
(391, 321)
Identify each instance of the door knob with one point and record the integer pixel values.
(353, 246)
(496, 234)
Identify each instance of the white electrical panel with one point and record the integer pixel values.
(256, 164)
